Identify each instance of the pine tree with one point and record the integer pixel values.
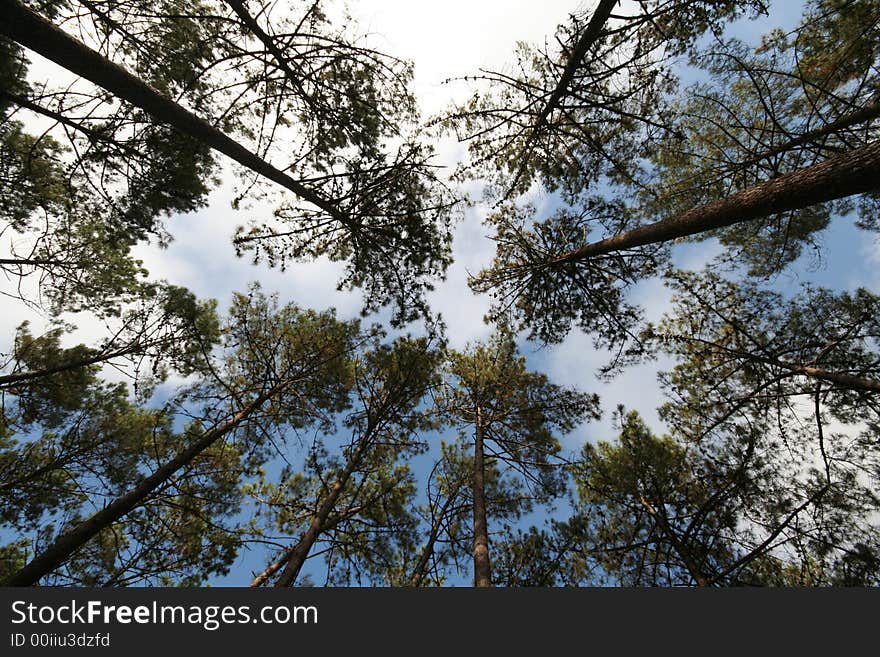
(512, 418)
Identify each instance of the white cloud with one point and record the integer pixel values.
(443, 40)
(202, 258)
(456, 37)
(575, 362)
(870, 251)
(462, 310)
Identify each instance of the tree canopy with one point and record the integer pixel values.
(661, 187)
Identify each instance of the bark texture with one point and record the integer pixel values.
(851, 173)
(482, 567)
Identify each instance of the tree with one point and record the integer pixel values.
(797, 133)
(837, 177)
(751, 351)
(168, 330)
(359, 503)
(512, 414)
(539, 121)
(79, 194)
(445, 521)
(665, 511)
(335, 450)
(282, 368)
(541, 557)
(365, 205)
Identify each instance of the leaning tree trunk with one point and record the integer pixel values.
(586, 41)
(482, 569)
(855, 172)
(33, 31)
(421, 567)
(295, 559)
(64, 547)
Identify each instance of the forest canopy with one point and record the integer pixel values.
(666, 371)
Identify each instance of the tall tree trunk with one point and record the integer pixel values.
(855, 172)
(30, 262)
(33, 31)
(482, 569)
(585, 42)
(72, 540)
(587, 39)
(297, 557)
(421, 567)
(350, 512)
(840, 378)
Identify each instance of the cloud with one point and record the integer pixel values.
(574, 363)
(870, 250)
(456, 37)
(202, 258)
(462, 310)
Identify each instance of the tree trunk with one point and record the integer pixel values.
(298, 555)
(350, 512)
(682, 550)
(29, 262)
(844, 175)
(421, 567)
(482, 569)
(72, 540)
(844, 380)
(584, 43)
(589, 37)
(33, 31)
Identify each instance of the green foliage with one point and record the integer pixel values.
(741, 347)
(522, 412)
(608, 116)
(369, 520)
(31, 178)
(547, 298)
(49, 399)
(396, 240)
(52, 468)
(757, 118)
(768, 474)
(659, 511)
(306, 351)
(88, 443)
(621, 144)
(517, 416)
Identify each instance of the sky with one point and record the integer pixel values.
(445, 40)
